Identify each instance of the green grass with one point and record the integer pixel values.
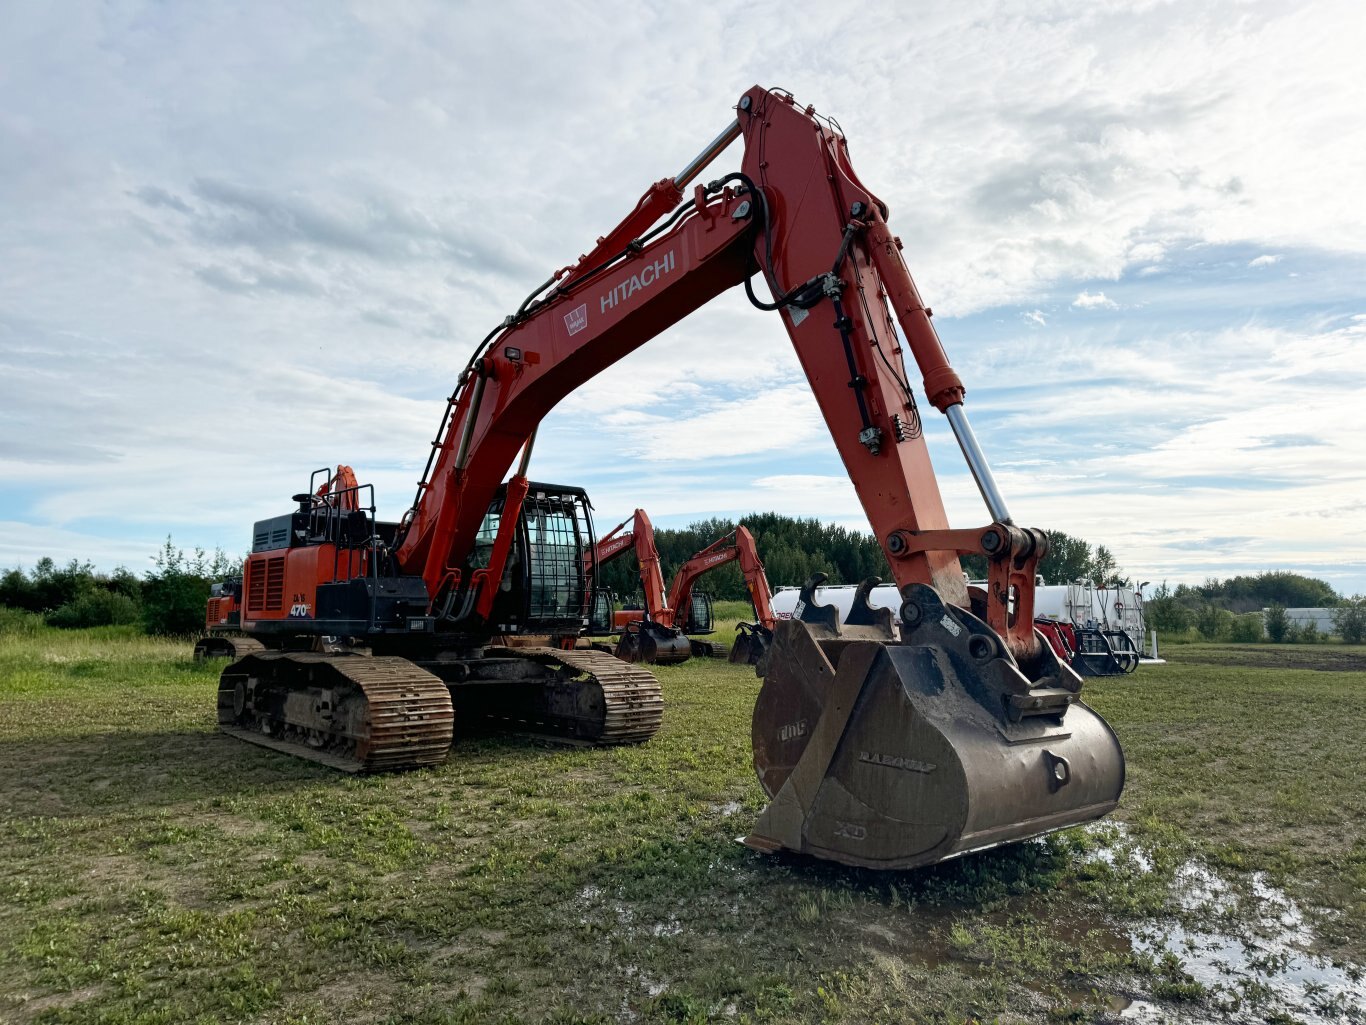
(154, 870)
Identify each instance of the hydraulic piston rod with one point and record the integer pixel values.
(709, 154)
(526, 455)
(977, 463)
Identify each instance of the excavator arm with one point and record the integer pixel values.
(341, 490)
(738, 544)
(641, 537)
(798, 215)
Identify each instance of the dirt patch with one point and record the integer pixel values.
(55, 1001)
(358, 997)
(1325, 659)
(121, 872)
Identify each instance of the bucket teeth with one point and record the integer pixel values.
(893, 755)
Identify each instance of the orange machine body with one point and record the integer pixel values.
(283, 584)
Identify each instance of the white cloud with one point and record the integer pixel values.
(1265, 260)
(1094, 301)
(1035, 317)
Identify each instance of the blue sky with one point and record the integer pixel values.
(240, 243)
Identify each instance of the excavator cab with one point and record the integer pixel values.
(600, 613)
(701, 621)
(700, 616)
(545, 588)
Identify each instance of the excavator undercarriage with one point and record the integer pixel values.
(385, 713)
(356, 673)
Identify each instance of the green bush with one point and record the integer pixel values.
(1349, 620)
(176, 591)
(1166, 614)
(1309, 633)
(1247, 629)
(1277, 625)
(95, 608)
(19, 623)
(1213, 623)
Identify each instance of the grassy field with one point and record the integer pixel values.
(156, 871)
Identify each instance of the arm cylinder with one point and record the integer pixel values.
(977, 463)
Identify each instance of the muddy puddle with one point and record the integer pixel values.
(1254, 959)
(1251, 952)
(1238, 949)
(1245, 944)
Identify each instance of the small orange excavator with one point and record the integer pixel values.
(752, 640)
(656, 637)
(876, 748)
(647, 635)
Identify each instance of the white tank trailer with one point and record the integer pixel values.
(1080, 603)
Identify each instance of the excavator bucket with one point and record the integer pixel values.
(752, 641)
(894, 753)
(653, 644)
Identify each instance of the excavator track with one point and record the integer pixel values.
(379, 714)
(610, 702)
(225, 646)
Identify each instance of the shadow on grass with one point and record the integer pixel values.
(74, 774)
(63, 775)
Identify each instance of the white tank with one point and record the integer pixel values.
(1083, 604)
(841, 596)
(1080, 603)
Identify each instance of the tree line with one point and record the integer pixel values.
(795, 548)
(1232, 609)
(168, 599)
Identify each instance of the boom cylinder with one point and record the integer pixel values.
(709, 154)
(462, 451)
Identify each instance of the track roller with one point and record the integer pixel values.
(225, 646)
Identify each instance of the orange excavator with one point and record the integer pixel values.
(683, 594)
(752, 640)
(875, 748)
(657, 636)
(647, 635)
